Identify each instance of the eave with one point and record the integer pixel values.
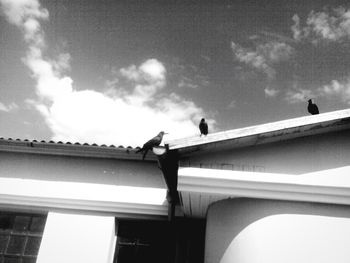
(198, 188)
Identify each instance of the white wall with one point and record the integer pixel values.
(72, 238)
(97, 184)
(80, 169)
(296, 156)
(266, 231)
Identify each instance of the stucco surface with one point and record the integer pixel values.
(250, 230)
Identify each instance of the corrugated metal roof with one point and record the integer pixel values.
(67, 143)
(72, 149)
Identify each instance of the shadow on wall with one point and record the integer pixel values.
(295, 156)
(251, 230)
(81, 170)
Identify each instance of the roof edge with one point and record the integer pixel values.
(324, 122)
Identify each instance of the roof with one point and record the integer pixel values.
(253, 135)
(265, 133)
(71, 149)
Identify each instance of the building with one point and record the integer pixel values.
(277, 192)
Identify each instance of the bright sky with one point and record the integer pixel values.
(118, 72)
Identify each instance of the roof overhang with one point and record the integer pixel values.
(198, 187)
(96, 198)
(265, 133)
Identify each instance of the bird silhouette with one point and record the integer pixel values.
(155, 141)
(312, 108)
(203, 127)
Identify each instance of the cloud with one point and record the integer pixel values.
(275, 51)
(125, 116)
(149, 78)
(271, 92)
(297, 31)
(24, 13)
(253, 59)
(187, 83)
(340, 89)
(151, 71)
(7, 108)
(330, 25)
(62, 63)
(264, 57)
(336, 88)
(187, 76)
(297, 95)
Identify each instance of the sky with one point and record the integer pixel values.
(118, 72)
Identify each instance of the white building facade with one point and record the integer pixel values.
(277, 192)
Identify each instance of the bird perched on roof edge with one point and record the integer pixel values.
(203, 127)
(155, 141)
(312, 108)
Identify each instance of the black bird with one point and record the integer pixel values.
(203, 127)
(312, 108)
(155, 141)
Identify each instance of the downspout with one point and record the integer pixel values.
(168, 162)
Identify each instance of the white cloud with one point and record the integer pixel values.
(19, 12)
(275, 51)
(299, 95)
(331, 25)
(271, 92)
(90, 116)
(132, 73)
(111, 84)
(264, 57)
(149, 78)
(187, 83)
(62, 63)
(253, 59)
(151, 71)
(189, 76)
(26, 15)
(337, 88)
(297, 31)
(7, 108)
(126, 117)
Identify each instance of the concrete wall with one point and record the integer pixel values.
(84, 183)
(295, 156)
(267, 231)
(79, 169)
(73, 238)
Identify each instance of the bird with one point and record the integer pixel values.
(203, 127)
(312, 108)
(155, 141)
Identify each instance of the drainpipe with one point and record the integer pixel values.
(168, 162)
